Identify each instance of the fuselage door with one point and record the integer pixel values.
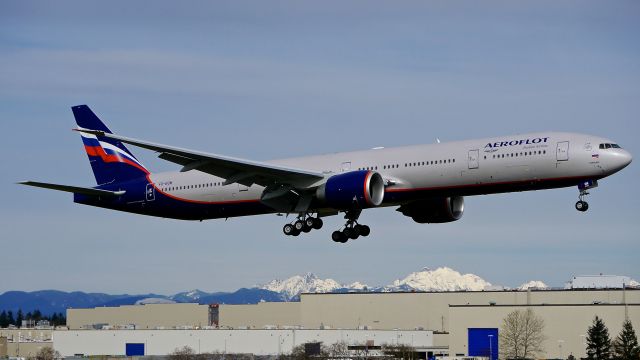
(473, 159)
(150, 193)
(562, 151)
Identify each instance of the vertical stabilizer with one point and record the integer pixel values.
(110, 160)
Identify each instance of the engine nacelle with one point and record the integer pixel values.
(431, 211)
(359, 188)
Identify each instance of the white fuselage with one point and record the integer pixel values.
(502, 164)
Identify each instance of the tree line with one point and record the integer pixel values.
(7, 318)
(522, 336)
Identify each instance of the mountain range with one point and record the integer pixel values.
(440, 279)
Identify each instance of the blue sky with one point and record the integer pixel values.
(272, 79)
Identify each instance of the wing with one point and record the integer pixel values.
(233, 170)
(74, 189)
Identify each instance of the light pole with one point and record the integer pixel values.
(560, 348)
(490, 347)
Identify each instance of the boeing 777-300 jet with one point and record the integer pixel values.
(427, 183)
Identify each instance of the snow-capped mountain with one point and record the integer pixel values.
(307, 283)
(154, 300)
(533, 284)
(440, 279)
(189, 296)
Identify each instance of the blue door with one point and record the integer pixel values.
(134, 349)
(483, 342)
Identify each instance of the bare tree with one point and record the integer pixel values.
(521, 335)
(339, 350)
(47, 353)
(183, 353)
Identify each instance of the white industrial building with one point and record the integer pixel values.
(259, 342)
(458, 324)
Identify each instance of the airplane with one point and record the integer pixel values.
(427, 183)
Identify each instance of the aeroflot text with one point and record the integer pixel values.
(516, 142)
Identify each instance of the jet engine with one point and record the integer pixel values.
(361, 189)
(439, 210)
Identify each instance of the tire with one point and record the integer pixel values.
(582, 206)
(317, 223)
(295, 232)
(354, 233)
(347, 233)
(337, 236)
(298, 225)
(288, 229)
(309, 222)
(364, 230)
(306, 228)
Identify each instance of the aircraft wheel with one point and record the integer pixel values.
(309, 222)
(298, 225)
(582, 206)
(288, 229)
(306, 228)
(351, 233)
(338, 236)
(364, 230)
(317, 223)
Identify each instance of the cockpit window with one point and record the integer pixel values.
(609, 146)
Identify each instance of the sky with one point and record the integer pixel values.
(271, 79)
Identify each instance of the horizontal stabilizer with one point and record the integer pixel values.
(73, 189)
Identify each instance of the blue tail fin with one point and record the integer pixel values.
(110, 160)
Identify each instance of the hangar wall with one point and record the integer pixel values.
(565, 324)
(149, 316)
(381, 310)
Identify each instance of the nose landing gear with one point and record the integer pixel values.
(583, 187)
(582, 205)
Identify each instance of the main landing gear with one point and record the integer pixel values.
(352, 230)
(305, 223)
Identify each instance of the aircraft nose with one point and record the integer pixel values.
(620, 159)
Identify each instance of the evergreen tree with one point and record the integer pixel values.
(4, 320)
(19, 318)
(37, 315)
(625, 346)
(598, 341)
(10, 318)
